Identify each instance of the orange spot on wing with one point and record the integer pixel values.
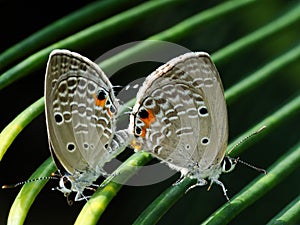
(147, 121)
(99, 102)
(143, 134)
(102, 103)
(109, 113)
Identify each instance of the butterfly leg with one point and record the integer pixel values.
(79, 197)
(200, 182)
(223, 187)
(181, 178)
(92, 185)
(109, 179)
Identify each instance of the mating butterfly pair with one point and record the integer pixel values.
(179, 116)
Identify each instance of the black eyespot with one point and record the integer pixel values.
(143, 114)
(138, 130)
(101, 95)
(70, 147)
(203, 111)
(112, 109)
(85, 145)
(106, 146)
(170, 160)
(205, 141)
(107, 102)
(58, 118)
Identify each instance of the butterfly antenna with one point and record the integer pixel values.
(251, 166)
(29, 181)
(117, 86)
(246, 138)
(127, 113)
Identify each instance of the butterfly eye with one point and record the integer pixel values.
(228, 164)
(65, 184)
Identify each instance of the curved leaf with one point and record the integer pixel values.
(289, 215)
(277, 173)
(78, 40)
(59, 29)
(11, 131)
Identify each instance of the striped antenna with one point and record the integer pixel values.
(53, 177)
(242, 141)
(251, 166)
(246, 138)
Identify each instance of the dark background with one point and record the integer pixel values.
(20, 19)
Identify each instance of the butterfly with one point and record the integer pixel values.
(180, 117)
(81, 112)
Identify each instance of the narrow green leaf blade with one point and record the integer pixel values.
(95, 207)
(289, 215)
(11, 131)
(277, 173)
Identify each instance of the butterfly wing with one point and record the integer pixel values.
(180, 113)
(80, 111)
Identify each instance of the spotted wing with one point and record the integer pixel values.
(80, 111)
(180, 113)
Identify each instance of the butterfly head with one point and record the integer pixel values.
(228, 164)
(69, 184)
(65, 185)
